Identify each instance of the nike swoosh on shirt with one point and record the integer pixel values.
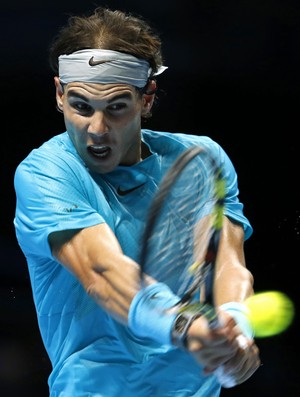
(124, 192)
(94, 63)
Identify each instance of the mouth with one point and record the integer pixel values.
(99, 151)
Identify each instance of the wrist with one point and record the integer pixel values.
(180, 328)
(149, 316)
(239, 312)
(185, 318)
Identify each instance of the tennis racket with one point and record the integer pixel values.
(182, 233)
(181, 236)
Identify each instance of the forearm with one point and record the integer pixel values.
(112, 279)
(233, 281)
(94, 256)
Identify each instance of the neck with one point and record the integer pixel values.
(145, 152)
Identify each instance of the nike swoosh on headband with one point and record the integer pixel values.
(94, 63)
(125, 192)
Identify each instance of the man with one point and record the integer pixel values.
(82, 201)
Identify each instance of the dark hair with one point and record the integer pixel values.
(110, 30)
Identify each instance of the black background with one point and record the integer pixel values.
(234, 74)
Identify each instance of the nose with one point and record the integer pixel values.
(98, 125)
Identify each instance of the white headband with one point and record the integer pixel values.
(105, 66)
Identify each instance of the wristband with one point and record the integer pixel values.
(147, 317)
(240, 314)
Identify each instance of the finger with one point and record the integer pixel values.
(241, 367)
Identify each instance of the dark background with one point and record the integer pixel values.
(234, 74)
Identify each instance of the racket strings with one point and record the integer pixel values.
(181, 225)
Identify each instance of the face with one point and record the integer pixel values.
(103, 122)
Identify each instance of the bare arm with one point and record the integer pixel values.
(233, 281)
(95, 257)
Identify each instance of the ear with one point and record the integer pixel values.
(148, 97)
(59, 92)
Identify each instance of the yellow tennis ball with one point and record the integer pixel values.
(270, 313)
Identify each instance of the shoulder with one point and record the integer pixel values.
(58, 153)
(54, 164)
(175, 142)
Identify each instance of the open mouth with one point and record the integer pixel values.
(99, 151)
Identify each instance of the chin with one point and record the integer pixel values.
(102, 168)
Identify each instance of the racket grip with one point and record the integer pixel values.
(239, 313)
(227, 381)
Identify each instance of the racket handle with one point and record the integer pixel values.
(227, 380)
(239, 312)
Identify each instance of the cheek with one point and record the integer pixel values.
(131, 128)
(70, 129)
(74, 125)
(134, 118)
(75, 133)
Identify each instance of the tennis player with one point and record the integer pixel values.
(82, 200)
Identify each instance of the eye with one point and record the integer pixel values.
(82, 107)
(117, 107)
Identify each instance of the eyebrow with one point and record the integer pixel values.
(117, 97)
